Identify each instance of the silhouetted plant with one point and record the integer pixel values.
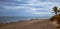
(55, 9)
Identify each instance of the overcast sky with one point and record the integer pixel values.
(27, 7)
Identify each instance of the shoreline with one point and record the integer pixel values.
(33, 19)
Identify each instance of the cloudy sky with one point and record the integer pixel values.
(27, 7)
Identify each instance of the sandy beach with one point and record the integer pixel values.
(29, 24)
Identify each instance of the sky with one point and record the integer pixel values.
(27, 7)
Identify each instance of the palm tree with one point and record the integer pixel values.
(55, 9)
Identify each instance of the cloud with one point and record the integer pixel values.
(20, 7)
(41, 12)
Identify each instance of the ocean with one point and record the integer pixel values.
(7, 19)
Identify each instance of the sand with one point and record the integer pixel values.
(29, 24)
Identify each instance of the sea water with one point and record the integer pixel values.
(7, 19)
